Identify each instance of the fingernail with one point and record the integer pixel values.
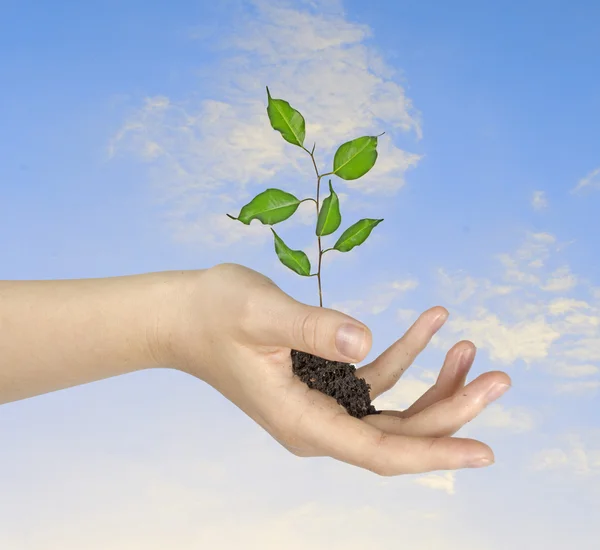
(349, 340)
(439, 322)
(495, 392)
(465, 356)
(479, 462)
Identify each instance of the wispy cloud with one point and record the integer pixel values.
(404, 393)
(535, 310)
(511, 419)
(441, 482)
(527, 339)
(539, 200)
(567, 370)
(560, 281)
(574, 456)
(578, 387)
(590, 181)
(201, 153)
(378, 298)
(406, 315)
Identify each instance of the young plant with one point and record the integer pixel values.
(351, 161)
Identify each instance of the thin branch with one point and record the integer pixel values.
(319, 176)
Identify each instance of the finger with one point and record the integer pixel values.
(452, 377)
(455, 369)
(386, 370)
(355, 442)
(446, 417)
(279, 320)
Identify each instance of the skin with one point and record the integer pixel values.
(234, 328)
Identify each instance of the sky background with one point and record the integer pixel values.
(128, 129)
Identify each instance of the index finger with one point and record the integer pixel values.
(382, 373)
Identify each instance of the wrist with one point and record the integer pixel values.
(176, 323)
(142, 307)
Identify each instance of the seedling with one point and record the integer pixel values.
(351, 161)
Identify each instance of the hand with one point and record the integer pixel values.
(235, 329)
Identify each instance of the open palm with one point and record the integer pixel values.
(251, 365)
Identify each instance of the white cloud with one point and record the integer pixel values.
(515, 275)
(580, 324)
(550, 459)
(429, 375)
(457, 287)
(586, 350)
(574, 457)
(201, 151)
(511, 419)
(578, 387)
(441, 482)
(383, 178)
(518, 317)
(532, 254)
(306, 215)
(379, 298)
(568, 370)
(561, 306)
(404, 393)
(590, 181)
(405, 315)
(539, 200)
(561, 280)
(528, 340)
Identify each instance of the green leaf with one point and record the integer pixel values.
(296, 260)
(329, 215)
(286, 120)
(269, 207)
(355, 158)
(356, 234)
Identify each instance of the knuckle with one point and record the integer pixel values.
(389, 382)
(307, 328)
(386, 471)
(381, 440)
(375, 461)
(250, 303)
(245, 317)
(226, 269)
(293, 444)
(382, 470)
(298, 451)
(251, 313)
(433, 444)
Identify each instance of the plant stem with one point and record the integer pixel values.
(319, 176)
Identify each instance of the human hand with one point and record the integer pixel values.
(234, 329)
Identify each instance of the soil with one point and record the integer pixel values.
(336, 380)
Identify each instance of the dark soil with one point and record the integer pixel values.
(336, 380)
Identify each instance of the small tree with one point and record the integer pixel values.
(352, 160)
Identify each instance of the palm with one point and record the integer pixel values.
(246, 356)
(309, 423)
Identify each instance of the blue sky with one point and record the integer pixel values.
(129, 130)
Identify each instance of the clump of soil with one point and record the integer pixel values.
(336, 380)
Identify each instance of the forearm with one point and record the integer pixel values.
(58, 334)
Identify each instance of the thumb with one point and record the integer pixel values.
(324, 332)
